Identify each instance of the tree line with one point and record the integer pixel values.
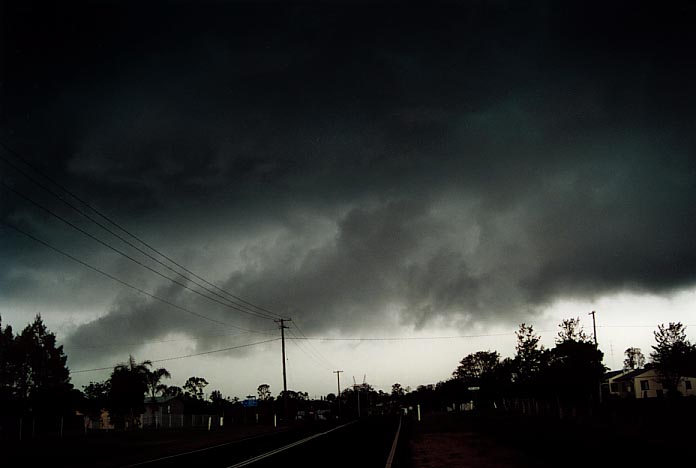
(34, 378)
(569, 373)
(35, 382)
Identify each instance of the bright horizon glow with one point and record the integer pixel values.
(623, 320)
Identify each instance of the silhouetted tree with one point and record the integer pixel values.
(129, 383)
(264, 391)
(97, 390)
(634, 359)
(452, 391)
(397, 390)
(530, 360)
(500, 380)
(172, 390)
(154, 381)
(216, 395)
(571, 330)
(475, 366)
(42, 377)
(96, 397)
(33, 372)
(219, 402)
(8, 367)
(575, 366)
(674, 357)
(193, 387)
(41, 363)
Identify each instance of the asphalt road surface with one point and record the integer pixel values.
(364, 443)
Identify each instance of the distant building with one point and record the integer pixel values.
(163, 410)
(93, 422)
(643, 383)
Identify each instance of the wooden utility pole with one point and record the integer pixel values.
(282, 325)
(594, 330)
(338, 395)
(594, 326)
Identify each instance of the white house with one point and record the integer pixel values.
(645, 383)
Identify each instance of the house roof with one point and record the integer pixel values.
(612, 374)
(632, 374)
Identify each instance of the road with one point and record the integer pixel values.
(364, 443)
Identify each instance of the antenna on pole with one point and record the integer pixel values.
(356, 387)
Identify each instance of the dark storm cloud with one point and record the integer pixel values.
(133, 322)
(468, 163)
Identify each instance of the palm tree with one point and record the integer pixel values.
(129, 383)
(154, 386)
(154, 381)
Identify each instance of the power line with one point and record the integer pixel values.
(639, 326)
(405, 338)
(312, 348)
(124, 254)
(307, 348)
(316, 355)
(118, 280)
(122, 229)
(298, 342)
(448, 337)
(113, 344)
(126, 241)
(184, 356)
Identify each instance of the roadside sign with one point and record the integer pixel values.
(474, 388)
(251, 403)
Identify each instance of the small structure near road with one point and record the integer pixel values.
(163, 410)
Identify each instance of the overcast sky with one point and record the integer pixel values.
(371, 171)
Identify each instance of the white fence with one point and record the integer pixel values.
(167, 421)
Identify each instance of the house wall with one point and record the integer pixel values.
(683, 389)
(102, 422)
(655, 387)
(632, 388)
(624, 389)
(175, 406)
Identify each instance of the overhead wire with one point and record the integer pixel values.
(183, 356)
(403, 338)
(124, 240)
(312, 347)
(142, 343)
(298, 343)
(446, 337)
(19, 157)
(124, 283)
(124, 254)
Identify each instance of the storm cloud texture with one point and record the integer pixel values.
(359, 168)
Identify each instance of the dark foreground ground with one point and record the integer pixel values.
(512, 441)
(364, 443)
(482, 440)
(112, 449)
